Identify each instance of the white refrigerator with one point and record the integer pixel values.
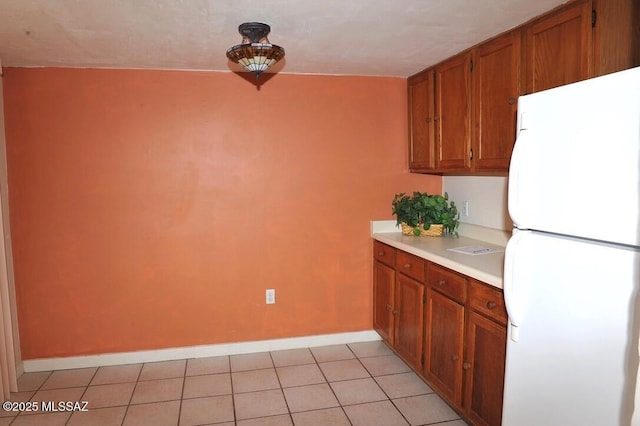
(572, 265)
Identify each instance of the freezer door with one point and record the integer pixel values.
(575, 167)
(572, 347)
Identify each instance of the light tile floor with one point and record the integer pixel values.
(356, 384)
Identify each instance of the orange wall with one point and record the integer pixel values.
(151, 209)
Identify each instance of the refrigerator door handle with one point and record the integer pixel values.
(512, 299)
(524, 121)
(518, 162)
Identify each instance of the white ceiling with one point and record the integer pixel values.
(350, 37)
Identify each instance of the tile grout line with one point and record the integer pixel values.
(391, 399)
(86, 389)
(286, 403)
(329, 384)
(376, 382)
(35, 393)
(233, 394)
(184, 383)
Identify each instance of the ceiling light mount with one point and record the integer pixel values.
(255, 53)
(256, 32)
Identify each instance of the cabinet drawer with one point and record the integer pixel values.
(384, 253)
(488, 301)
(410, 265)
(447, 282)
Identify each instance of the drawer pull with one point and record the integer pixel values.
(466, 366)
(491, 304)
(442, 282)
(407, 265)
(381, 253)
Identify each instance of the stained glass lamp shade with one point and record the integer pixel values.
(255, 53)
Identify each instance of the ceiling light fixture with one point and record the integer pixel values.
(255, 53)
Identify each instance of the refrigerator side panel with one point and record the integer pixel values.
(575, 168)
(574, 357)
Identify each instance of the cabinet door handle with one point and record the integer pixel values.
(491, 304)
(455, 357)
(512, 100)
(466, 366)
(388, 307)
(394, 312)
(407, 265)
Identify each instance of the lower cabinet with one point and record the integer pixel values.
(384, 278)
(408, 319)
(399, 301)
(485, 352)
(444, 325)
(484, 370)
(449, 327)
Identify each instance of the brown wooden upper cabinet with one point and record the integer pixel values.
(583, 39)
(453, 113)
(495, 81)
(472, 115)
(421, 96)
(558, 48)
(463, 110)
(616, 36)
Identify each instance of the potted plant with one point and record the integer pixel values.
(424, 214)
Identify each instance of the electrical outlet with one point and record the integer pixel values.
(271, 296)
(465, 209)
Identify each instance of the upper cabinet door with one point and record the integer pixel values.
(421, 125)
(496, 86)
(616, 35)
(558, 48)
(453, 103)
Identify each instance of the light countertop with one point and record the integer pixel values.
(487, 268)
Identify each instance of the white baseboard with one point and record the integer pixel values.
(47, 364)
